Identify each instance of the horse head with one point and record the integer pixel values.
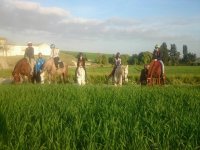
(121, 74)
(16, 78)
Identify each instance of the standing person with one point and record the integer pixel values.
(29, 55)
(117, 62)
(157, 56)
(38, 68)
(144, 75)
(55, 54)
(81, 62)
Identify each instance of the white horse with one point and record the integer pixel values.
(80, 75)
(121, 75)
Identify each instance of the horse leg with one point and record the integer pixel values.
(120, 80)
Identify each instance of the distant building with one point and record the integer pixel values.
(14, 50)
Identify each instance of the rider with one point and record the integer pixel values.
(157, 55)
(117, 62)
(144, 74)
(55, 54)
(38, 67)
(81, 62)
(29, 55)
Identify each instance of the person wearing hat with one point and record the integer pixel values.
(157, 56)
(29, 55)
(117, 62)
(55, 54)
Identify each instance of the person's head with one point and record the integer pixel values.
(117, 55)
(40, 55)
(157, 47)
(52, 46)
(80, 56)
(29, 44)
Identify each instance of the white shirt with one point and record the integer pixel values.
(55, 52)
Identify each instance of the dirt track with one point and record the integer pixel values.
(3, 64)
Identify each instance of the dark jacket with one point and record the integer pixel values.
(82, 61)
(157, 55)
(143, 76)
(29, 52)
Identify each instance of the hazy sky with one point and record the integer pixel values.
(127, 26)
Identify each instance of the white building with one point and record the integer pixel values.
(14, 50)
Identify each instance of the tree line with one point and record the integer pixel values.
(169, 56)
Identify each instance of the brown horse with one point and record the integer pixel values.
(21, 70)
(51, 72)
(155, 74)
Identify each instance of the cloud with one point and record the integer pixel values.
(25, 20)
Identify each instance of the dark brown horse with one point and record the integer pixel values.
(155, 74)
(22, 69)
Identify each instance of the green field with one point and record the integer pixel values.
(99, 117)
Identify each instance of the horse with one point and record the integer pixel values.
(21, 70)
(50, 71)
(80, 75)
(121, 75)
(155, 74)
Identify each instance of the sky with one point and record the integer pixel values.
(102, 26)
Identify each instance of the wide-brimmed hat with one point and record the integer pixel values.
(29, 43)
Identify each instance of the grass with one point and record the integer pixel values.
(99, 117)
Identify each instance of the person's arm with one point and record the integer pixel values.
(120, 61)
(84, 63)
(25, 54)
(32, 53)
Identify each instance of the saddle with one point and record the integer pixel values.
(60, 64)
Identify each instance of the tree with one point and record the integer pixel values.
(144, 57)
(102, 59)
(191, 58)
(111, 59)
(165, 53)
(185, 54)
(125, 59)
(133, 60)
(174, 55)
(185, 50)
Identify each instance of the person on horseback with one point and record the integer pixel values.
(144, 75)
(117, 62)
(29, 55)
(81, 63)
(38, 68)
(55, 54)
(157, 56)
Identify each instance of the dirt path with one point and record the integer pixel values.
(3, 64)
(5, 80)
